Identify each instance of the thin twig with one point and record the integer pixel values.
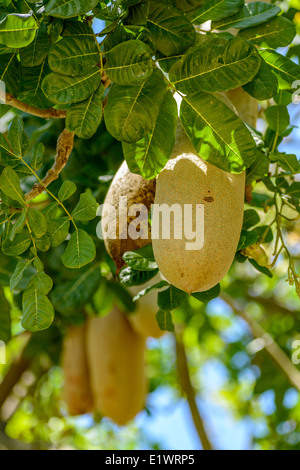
(50, 113)
(187, 388)
(64, 148)
(281, 360)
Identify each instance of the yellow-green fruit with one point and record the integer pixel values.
(143, 319)
(138, 191)
(77, 392)
(189, 180)
(117, 368)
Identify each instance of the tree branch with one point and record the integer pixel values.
(64, 148)
(271, 305)
(50, 113)
(278, 356)
(18, 367)
(187, 388)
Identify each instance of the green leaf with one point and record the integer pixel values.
(4, 109)
(294, 189)
(43, 243)
(37, 152)
(264, 234)
(62, 89)
(17, 138)
(142, 259)
(37, 222)
(264, 85)
(21, 267)
(38, 311)
(278, 118)
(71, 296)
(31, 86)
(131, 112)
(37, 263)
(148, 156)
(213, 68)
(129, 63)
(18, 224)
(288, 162)
(110, 28)
(58, 230)
(126, 33)
(278, 32)
(129, 3)
(250, 15)
(170, 298)
(37, 51)
(86, 208)
(164, 320)
(73, 55)
(40, 282)
(251, 218)
(80, 250)
(269, 184)
(283, 67)
(283, 97)
(158, 285)
(17, 30)
(187, 5)
(131, 277)
(7, 267)
(10, 185)
(166, 63)
(67, 190)
(208, 295)
(217, 133)
(248, 238)
(19, 245)
(6, 156)
(56, 29)
(84, 118)
(10, 72)
(5, 321)
(259, 168)
(137, 14)
(50, 212)
(77, 28)
(171, 31)
(261, 269)
(69, 8)
(22, 171)
(215, 10)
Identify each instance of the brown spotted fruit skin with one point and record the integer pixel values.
(188, 179)
(138, 191)
(117, 368)
(77, 394)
